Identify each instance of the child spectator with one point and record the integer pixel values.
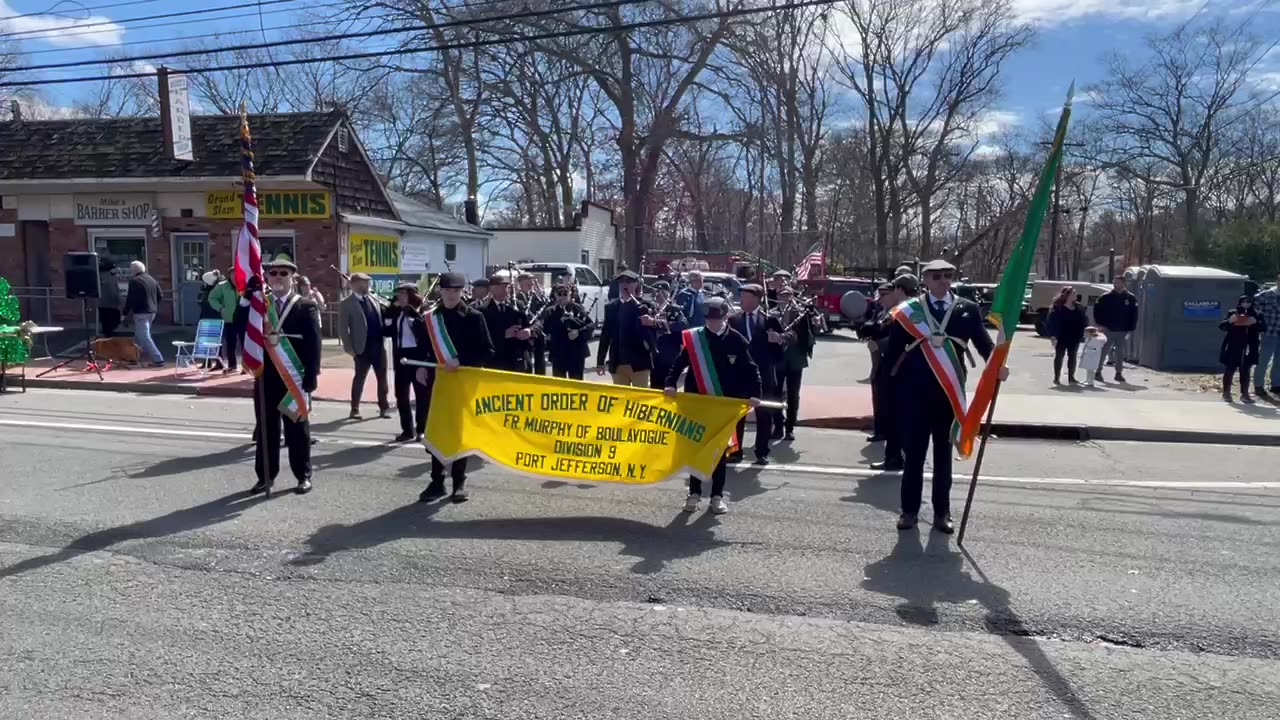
(1091, 356)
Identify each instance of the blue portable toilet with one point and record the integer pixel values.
(1178, 315)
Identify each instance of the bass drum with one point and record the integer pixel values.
(853, 306)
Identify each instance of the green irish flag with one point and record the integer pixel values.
(1007, 305)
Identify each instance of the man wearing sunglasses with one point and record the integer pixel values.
(298, 322)
(928, 345)
(568, 329)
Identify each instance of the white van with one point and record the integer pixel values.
(591, 289)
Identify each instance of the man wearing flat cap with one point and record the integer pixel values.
(777, 281)
(667, 333)
(767, 342)
(298, 323)
(479, 291)
(508, 325)
(626, 339)
(360, 331)
(928, 347)
(456, 337)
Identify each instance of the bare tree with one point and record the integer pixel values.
(1172, 109)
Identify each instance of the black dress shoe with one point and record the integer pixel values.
(943, 524)
(354, 414)
(304, 487)
(906, 521)
(261, 487)
(404, 437)
(873, 437)
(887, 466)
(776, 436)
(734, 457)
(789, 437)
(434, 491)
(458, 496)
(384, 413)
(761, 459)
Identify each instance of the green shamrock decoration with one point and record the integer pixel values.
(14, 348)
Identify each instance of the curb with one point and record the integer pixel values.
(1019, 431)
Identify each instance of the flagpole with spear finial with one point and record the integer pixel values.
(248, 264)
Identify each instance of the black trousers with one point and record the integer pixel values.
(232, 342)
(764, 418)
(658, 375)
(930, 423)
(539, 355)
(373, 359)
(886, 415)
(717, 481)
(572, 368)
(1244, 378)
(1069, 350)
(790, 381)
(457, 471)
(297, 435)
(108, 321)
(406, 379)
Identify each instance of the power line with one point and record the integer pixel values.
(523, 15)
(124, 21)
(82, 7)
(200, 36)
(473, 44)
(59, 34)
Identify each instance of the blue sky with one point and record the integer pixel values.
(1072, 37)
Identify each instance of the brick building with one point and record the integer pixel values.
(108, 186)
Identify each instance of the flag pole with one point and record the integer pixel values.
(977, 463)
(259, 382)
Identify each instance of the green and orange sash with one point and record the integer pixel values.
(441, 343)
(943, 359)
(703, 367)
(294, 404)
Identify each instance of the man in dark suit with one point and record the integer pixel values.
(877, 334)
(508, 325)
(667, 334)
(533, 300)
(470, 339)
(568, 331)
(795, 358)
(738, 375)
(361, 333)
(626, 340)
(940, 318)
(766, 340)
(298, 323)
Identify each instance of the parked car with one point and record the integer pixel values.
(590, 288)
(1043, 293)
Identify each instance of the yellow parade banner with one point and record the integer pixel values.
(578, 430)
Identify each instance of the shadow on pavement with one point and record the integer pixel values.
(686, 536)
(926, 576)
(352, 456)
(882, 492)
(744, 482)
(193, 518)
(1144, 507)
(179, 465)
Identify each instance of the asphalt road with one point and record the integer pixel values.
(1098, 581)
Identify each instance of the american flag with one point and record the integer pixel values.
(816, 256)
(249, 255)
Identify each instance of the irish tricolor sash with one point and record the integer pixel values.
(943, 359)
(704, 369)
(294, 404)
(441, 343)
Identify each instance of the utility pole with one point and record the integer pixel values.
(1051, 269)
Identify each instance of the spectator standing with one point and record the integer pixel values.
(308, 291)
(1116, 315)
(1091, 355)
(140, 305)
(1067, 321)
(1267, 305)
(1240, 347)
(108, 298)
(224, 298)
(360, 330)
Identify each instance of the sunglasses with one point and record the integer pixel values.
(278, 273)
(942, 275)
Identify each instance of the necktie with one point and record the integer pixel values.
(939, 309)
(751, 320)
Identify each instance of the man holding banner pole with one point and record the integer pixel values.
(719, 363)
(458, 337)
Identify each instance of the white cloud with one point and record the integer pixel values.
(47, 28)
(1050, 12)
(993, 122)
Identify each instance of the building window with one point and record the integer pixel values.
(450, 252)
(586, 257)
(606, 268)
(122, 247)
(275, 245)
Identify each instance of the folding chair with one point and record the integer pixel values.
(207, 346)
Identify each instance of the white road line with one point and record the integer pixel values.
(792, 468)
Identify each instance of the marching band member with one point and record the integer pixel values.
(298, 319)
(925, 326)
(568, 330)
(777, 282)
(508, 326)
(408, 341)
(625, 339)
(884, 402)
(717, 356)
(766, 339)
(534, 301)
(795, 358)
(457, 337)
(668, 331)
(479, 291)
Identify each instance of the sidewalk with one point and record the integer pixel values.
(1149, 407)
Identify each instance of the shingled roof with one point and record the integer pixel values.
(284, 144)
